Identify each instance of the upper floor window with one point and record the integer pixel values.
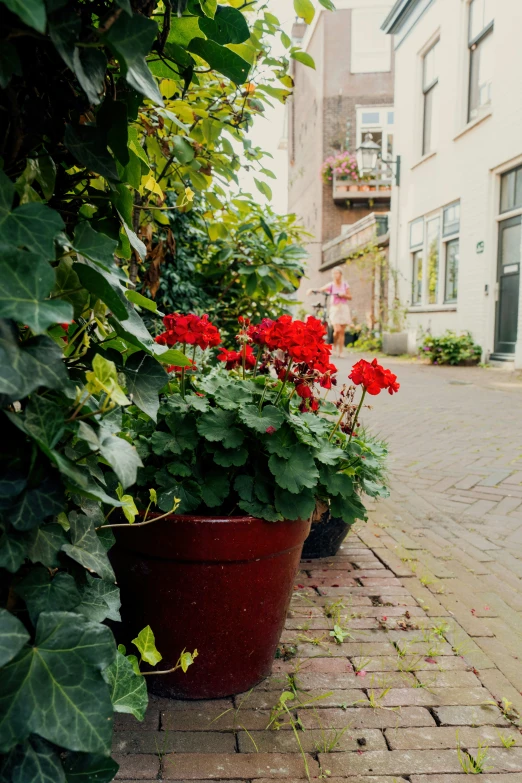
(370, 46)
(480, 43)
(378, 121)
(430, 81)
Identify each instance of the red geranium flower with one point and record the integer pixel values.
(189, 330)
(257, 332)
(373, 377)
(234, 359)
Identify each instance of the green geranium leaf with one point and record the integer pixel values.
(43, 593)
(12, 552)
(97, 247)
(218, 425)
(188, 492)
(13, 636)
(145, 377)
(99, 600)
(260, 422)
(25, 367)
(215, 488)
(336, 483)
(128, 689)
(221, 59)
(55, 688)
(281, 442)
(37, 504)
(230, 457)
(228, 26)
(97, 284)
(297, 472)
(131, 39)
(86, 548)
(328, 454)
(89, 146)
(26, 281)
(33, 226)
(146, 644)
(89, 767)
(233, 395)
(348, 508)
(32, 761)
(260, 510)
(44, 544)
(184, 434)
(292, 506)
(44, 420)
(32, 12)
(177, 468)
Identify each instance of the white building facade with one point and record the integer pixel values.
(456, 233)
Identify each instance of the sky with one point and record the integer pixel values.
(268, 130)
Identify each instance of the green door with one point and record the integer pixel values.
(509, 252)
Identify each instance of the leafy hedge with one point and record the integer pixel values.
(451, 348)
(107, 107)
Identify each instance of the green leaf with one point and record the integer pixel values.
(32, 12)
(13, 636)
(230, 457)
(134, 331)
(97, 284)
(263, 188)
(128, 505)
(209, 7)
(89, 767)
(231, 396)
(328, 454)
(97, 247)
(285, 40)
(44, 544)
(43, 593)
(146, 645)
(183, 435)
(55, 688)
(145, 377)
(328, 5)
(221, 59)
(218, 425)
(173, 356)
(80, 480)
(44, 420)
(35, 363)
(182, 149)
(293, 506)
(67, 287)
(215, 488)
(26, 280)
(36, 504)
(229, 26)
(336, 483)
(89, 147)
(142, 301)
(281, 442)
(128, 689)
(131, 39)
(90, 67)
(99, 600)
(9, 64)
(121, 456)
(259, 422)
(86, 548)
(296, 472)
(260, 510)
(113, 118)
(304, 58)
(305, 9)
(103, 379)
(32, 761)
(12, 552)
(348, 508)
(33, 226)
(188, 492)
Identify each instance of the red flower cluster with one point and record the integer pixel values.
(373, 377)
(189, 330)
(257, 332)
(234, 359)
(303, 341)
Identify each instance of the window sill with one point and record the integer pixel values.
(449, 308)
(423, 159)
(473, 124)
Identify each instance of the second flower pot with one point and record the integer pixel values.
(221, 585)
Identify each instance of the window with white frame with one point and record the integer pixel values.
(370, 46)
(480, 44)
(379, 121)
(434, 248)
(430, 92)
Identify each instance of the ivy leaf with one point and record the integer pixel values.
(146, 645)
(128, 505)
(128, 689)
(218, 425)
(215, 488)
(172, 356)
(98, 284)
(100, 600)
(304, 58)
(33, 226)
(55, 688)
(103, 379)
(44, 420)
(34, 761)
(43, 593)
(270, 416)
(12, 552)
(297, 472)
(230, 457)
(36, 504)
(81, 480)
(293, 506)
(229, 26)
(32, 12)
(86, 548)
(44, 544)
(145, 377)
(26, 281)
(90, 66)
(221, 59)
(97, 247)
(13, 636)
(87, 767)
(305, 9)
(89, 146)
(121, 456)
(131, 39)
(67, 287)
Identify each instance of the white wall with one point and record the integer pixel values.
(467, 161)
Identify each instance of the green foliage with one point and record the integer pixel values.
(451, 348)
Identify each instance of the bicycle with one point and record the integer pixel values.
(321, 313)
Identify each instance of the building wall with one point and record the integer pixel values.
(322, 121)
(467, 160)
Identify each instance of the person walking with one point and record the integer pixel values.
(339, 312)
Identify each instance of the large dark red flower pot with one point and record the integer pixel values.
(221, 585)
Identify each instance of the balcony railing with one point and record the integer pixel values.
(377, 189)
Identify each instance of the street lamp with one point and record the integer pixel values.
(369, 153)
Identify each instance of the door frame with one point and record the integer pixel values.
(505, 222)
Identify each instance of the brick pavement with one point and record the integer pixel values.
(429, 593)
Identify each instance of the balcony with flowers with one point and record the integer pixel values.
(353, 180)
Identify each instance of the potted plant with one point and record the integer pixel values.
(243, 454)
(395, 337)
(344, 169)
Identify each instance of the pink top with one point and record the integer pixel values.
(335, 290)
